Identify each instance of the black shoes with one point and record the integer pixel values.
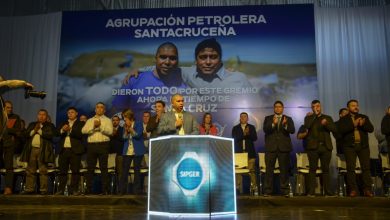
(27, 193)
(59, 193)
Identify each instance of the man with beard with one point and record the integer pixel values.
(385, 127)
(354, 128)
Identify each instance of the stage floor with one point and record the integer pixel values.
(135, 207)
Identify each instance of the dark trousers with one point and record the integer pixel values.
(8, 159)
(284, 165)
(118, 170)
(125, 173)
(67, 159)
(97, 151)
(324, 155)
(364, 158)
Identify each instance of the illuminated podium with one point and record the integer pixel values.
(191, 175)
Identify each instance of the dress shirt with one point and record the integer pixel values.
(36, 141)
(180, 115)
(243, 126)
(67, 143)
(99, 134)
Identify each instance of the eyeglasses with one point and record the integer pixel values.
(164, 57)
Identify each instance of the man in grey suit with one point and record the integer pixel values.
(277, 129)
(177, 121)
(319, 145)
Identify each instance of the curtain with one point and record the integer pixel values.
(29, 50)
(353, 57)
(353, 54)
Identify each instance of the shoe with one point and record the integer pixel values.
(311, 195)
(77, 193)
(353, 193)
(329, 194)
(7, 191)
(266, 195)
(59, 193)
(104, 194)
(368, 193)
(43, 193)
(27, 193)
(87, 192)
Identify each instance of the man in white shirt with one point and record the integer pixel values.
(99, 129)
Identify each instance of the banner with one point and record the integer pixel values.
(223, 60)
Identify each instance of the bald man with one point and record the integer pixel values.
(178, 121)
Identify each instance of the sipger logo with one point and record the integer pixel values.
(189, 174)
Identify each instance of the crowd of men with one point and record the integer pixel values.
(99, 136)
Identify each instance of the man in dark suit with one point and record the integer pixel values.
(319, 145)
(178, 121)
(385, 127)
(354, 129)
(71, 150)
(277, 129)
(116, 146)
(11, 140)
(244, 135)
(155, 119)
(38, 151)
(337, 135)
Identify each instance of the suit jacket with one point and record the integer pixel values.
(346, 129)
(47, 152)
(152, 126)
(314, 132)
(13, 136)
(75, 135)
(385, 128)
(168, 120)
(339, 138)
(138, 140)
(117, 142)
(239, 137)
(278, 139)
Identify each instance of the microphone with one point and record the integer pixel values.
(180, 117)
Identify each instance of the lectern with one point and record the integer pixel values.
(191, 176)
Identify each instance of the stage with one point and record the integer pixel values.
(135, 207)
